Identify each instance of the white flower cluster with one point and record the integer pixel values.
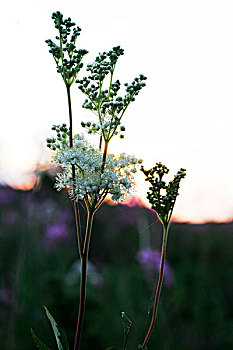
(115, 179)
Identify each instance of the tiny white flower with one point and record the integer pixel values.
(117, 177)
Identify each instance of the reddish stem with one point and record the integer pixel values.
(75, 204)
(104, 156)
(158, 290)
(82, 298)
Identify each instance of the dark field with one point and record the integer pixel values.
(39, 266)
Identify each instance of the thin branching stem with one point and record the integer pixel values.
(75, 203)
(82, 298)
(159, 286)
(128, 327)
(100, 143)
(83, 247)
(104, 156)
(70, 115)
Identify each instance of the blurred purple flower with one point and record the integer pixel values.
(56, 231)
(53, 233)
(149, 260)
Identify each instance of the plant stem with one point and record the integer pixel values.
(104, 156)
(70, 115)
(100, 144)
(76, 208)
(159, 286)
(82, 299)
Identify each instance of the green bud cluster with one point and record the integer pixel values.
(134, 88)
(67, 57)
(62, 138)
(162, 196)
(93, 128)
(105, 102)
(104, 63)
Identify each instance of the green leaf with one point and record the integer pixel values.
(64, 340)
(56, 330)
(40, 345)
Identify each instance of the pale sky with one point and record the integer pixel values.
(183, 117)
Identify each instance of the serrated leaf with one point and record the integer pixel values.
(55, 328)
(40, 345)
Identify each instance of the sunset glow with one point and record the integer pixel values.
(183, 118)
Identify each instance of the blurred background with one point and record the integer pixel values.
(39, 266)
(183, 118)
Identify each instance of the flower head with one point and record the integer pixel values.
(116, 179)
(67, 57)
(162, 196)
(103, 99)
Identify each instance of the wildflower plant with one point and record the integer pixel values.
(89, 173)
(162, 197)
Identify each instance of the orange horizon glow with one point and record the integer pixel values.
(134, 200)
(32, 181)
(25, 186)
(182, 118)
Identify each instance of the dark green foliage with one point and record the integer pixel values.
(39, 344)
(195, 312)
(56, 330)
(163, 203)
(60, 336)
